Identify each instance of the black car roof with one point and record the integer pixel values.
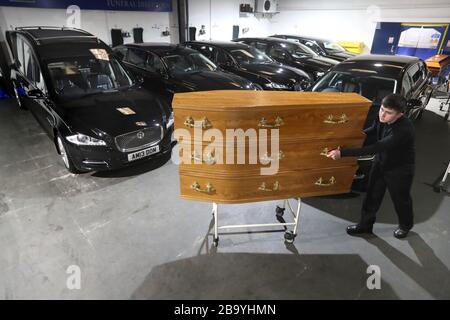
(267, 39)
(159, 48)
(222, 44)
(302, 37)
(384, 65)
(61, 39)
(39, 33)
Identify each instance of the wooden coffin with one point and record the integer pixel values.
(307, 124)
(437, 62)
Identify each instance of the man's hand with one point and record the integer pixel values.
(334, 154)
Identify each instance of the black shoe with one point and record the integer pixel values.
(357, 229)
(400, 233)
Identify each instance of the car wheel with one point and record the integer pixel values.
(17, 96)
(67, 161)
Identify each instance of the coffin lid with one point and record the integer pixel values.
(218, 100)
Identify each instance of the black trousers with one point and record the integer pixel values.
(398, 181)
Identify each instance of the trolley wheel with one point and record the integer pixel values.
(279, 211)
(289, 236)
(216, 242)
(441, 106)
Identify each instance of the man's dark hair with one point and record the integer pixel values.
(394, 101)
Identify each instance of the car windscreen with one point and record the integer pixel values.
(189, 63)
(333, 46)
(250, 55)
(298, 50)
(371, 87)
(92, 73)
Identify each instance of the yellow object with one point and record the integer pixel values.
(352, 46)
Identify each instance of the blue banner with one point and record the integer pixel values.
(117, 5)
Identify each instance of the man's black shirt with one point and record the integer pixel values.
(394, 146)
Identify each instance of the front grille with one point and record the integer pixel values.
(139, 139)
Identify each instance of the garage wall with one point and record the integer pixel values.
(219, 16)
(343, 20)
(348, 20)
(97, 22)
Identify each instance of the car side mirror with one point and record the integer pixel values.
(35, 94)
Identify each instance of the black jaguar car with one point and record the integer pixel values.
(376, 76)
(252, 64)
(169, 68)
(292, 54)
(326, 48)
(96, 116)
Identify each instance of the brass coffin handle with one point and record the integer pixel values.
(276, 187)
(209, 188)
(266, 158)
(264, 124)
(330, 182)
(205, 123)
(326, 150)
(336, 120)
(208, 159)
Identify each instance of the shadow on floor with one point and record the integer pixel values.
(262, 276)
(431, 274)
(215, 275)
(432, 152)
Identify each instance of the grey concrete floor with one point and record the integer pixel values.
(134, 238)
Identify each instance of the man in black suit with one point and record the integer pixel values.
(393, 166)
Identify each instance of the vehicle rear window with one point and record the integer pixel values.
(188, 63)
(371, 87)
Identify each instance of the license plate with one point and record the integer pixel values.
(143, 153)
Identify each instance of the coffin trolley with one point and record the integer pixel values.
(306, 126)
(289, 236)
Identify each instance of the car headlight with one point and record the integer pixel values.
(318, 74)
(84, 140)
(170, 121)
(273, 85)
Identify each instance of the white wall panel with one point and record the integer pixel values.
(347, 20)
(339, 20)
(224, 14)
(97, 22)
